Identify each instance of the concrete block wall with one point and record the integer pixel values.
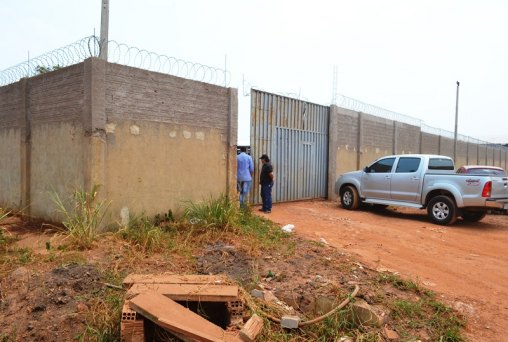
(446, 146)
(462, 153)
(377, 138)
(430, 143)
(169, 140)
(357, 139)
(472, 153)
(11, 130)
(151, 140)
(406, 138)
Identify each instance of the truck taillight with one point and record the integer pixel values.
(487, 188)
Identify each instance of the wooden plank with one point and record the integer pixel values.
(189, 292)
(251, 329)
(167, 278)
(174, 317)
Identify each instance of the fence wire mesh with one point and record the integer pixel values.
(117, 53)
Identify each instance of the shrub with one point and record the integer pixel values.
(143, 234)
(217, 214)
(84, 218)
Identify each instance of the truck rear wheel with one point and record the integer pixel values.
(349, 198)
(442, 210)
(473, 216)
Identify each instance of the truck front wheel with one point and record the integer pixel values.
(442, 210)
(349, 198)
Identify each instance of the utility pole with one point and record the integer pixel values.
(456, 122)
(103, 41)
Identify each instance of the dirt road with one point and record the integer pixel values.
(466, 264)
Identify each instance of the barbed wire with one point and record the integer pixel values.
(360, 106)
(117, 53)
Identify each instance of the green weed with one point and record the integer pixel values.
(399, 283)
(143, 234)
(3, 214)
(216, 214)
(263, 234)
(84, 217)
(24, 256)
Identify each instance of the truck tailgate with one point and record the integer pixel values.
(499, 188)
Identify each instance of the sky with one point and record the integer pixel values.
(401, 55)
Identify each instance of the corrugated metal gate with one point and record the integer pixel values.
(294, 134)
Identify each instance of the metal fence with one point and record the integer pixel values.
(117, 53)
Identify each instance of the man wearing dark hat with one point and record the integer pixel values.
(266, 179)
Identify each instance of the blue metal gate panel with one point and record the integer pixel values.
(294, 134)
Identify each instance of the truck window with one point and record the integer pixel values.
(382, 166)
(440, 164)
(408, 165)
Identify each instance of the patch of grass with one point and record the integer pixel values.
(263, 234)
(104, 313)
(103, 317)
(4, 337)
(405, 308)
(24, 255)
(216, 214)
(143, 234)
(399, 283)
(3, 214)
(424, 313)
(84, 217)
(3, 239)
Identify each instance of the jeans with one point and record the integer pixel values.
(243, 188)
(266, 196)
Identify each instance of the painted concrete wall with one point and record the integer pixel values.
(150, 140)
(152, 167)
(10, 179)
(57, 165)
(168, 140)
(55, 110)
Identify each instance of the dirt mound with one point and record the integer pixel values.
(46, 306)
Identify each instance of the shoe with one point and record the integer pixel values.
(268, 211)
(263, 210)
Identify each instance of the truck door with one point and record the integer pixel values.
(406, 179)
(376, 179)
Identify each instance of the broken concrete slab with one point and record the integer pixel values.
(363, 314)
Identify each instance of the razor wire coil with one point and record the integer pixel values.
(117, 53)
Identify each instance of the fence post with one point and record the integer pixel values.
(333, 144)
(94, 123)
(360, 140)
(26, 147)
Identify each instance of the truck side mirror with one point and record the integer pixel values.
(366, 169)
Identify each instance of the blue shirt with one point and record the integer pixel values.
(245, 167)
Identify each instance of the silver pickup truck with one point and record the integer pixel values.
(424, 181)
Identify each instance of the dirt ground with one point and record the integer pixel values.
(465, 263)
(51, 295)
